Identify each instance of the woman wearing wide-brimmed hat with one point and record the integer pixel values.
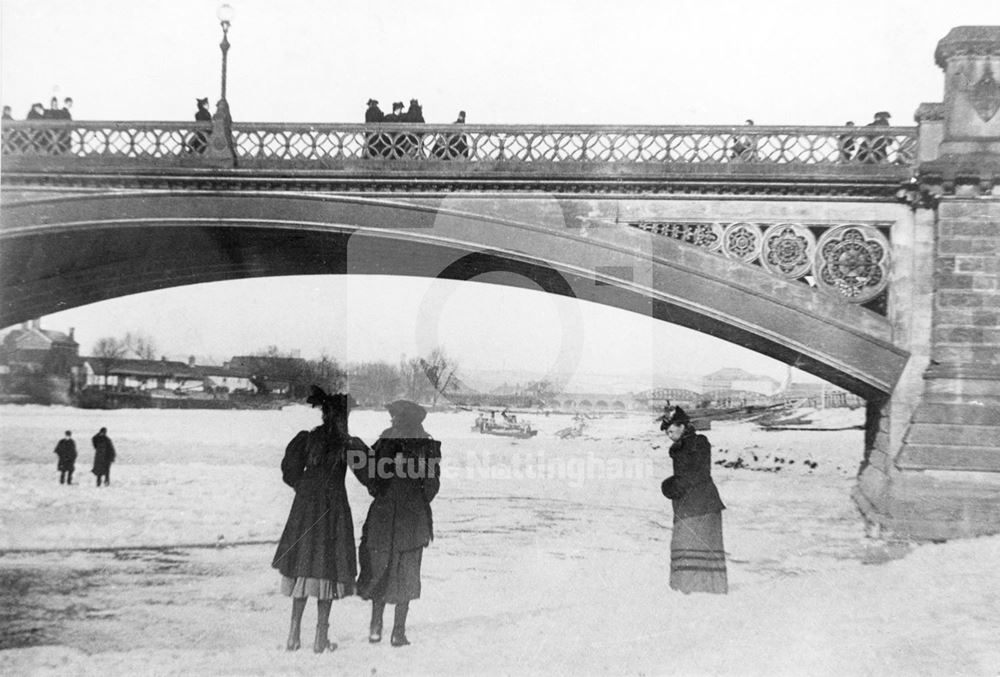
(697, 554)
(198, 141)
(316, 554)
(403, 479)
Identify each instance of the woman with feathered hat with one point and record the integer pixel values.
(316, 554)
(403, 480)
(697, 554)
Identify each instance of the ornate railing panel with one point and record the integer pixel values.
(330, 144)
(850, 260)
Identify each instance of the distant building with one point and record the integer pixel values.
(275, 375)
(731, 378)
(31, 349)
(821, 395)
(223, 380)
(658, 398)
(141, 375)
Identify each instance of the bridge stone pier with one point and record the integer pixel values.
(933, 464)
(868, 256)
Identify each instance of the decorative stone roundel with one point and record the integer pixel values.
(787, 250)
(852, 261)
(742, 241)
(709, 236)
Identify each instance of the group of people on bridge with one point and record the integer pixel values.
(399, 145)
(53, 142)
(867, 147)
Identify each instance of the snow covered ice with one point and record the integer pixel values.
(551, 557)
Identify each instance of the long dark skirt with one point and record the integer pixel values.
(397, 583)
(697, 555)
(318, 542)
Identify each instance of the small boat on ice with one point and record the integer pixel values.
(507, 426)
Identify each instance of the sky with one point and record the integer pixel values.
(583, 62)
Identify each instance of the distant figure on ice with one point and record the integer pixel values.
(199, 140)
(697, 554)
(66, 453)
(403, 479)
(316, 554)
(104, 456)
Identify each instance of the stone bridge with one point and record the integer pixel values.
(864, 255)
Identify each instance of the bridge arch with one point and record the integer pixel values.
(75, 249)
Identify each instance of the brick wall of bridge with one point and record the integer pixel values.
(933, 449)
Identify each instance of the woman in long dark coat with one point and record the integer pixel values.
(316, 552)
(403, 479)
(104, 456)
(66, 453)
(697, 554)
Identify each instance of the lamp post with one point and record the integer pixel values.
(225, 14)
(222, 148)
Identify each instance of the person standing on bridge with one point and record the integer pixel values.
(403, 479)
(846, 144)
(199, 140)
(315, 555)
(875, 147)
(744, 147)
(66, 453)
(451, 146)
(7, 114)
(395, 145)
(63, 140)
(697, 554)
(412, 142)
(104, 456)
(374, 144)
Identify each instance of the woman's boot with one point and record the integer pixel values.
(375, 628)
(399, 625)
(322, 642)
(294, 633)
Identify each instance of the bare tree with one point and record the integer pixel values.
(541, 391)
(327, 373)
(375, 383)
(414, 382)
(440, 372)
(140, 345)
(108, 352)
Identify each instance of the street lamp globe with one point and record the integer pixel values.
(225, 14)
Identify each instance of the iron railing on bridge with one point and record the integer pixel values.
(323, 145)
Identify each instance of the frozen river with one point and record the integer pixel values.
(551, 556)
